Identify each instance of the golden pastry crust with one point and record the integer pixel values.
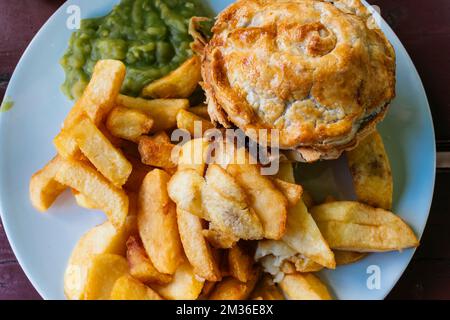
(319, 71)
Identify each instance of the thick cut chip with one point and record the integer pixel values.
(267, 290)
(44, 189)
(87, 180)
(371, 172)
(194, 155)
(128, 123)
(157, 222)
(184, 189)
(347, 257)
(304, 286)
(180, 83)
(100, 239)
(156, 154)
(66, 145)
(192, 123)
(354, 226)
(185, 285)
(109, 160)
(219, 239)
(84, 201)
(240, 262)
(196, 248)
(303, 235)
(292, 192)
(232, 289)
(141, 266)
(105, 269)
(268, 202)
(227, 209)
(201, 111)
(162, 111)
(128, 288)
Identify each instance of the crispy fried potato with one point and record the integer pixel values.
(128, 124)
(227, 209)
(87, 180)
(303, 235)
(161, 137)
(192, 123)
(128, 288)
(66, 145)
(267, 290)
(185, 285)
(232, 289)
(180, 83)
(141, 266)
(268, 202)
(196, 248)
(83, 201)
(240, 262)
(109, 160)
(100, 239)
(194, 155)
(184, 189)
(201, 111)
(162, 111)
(219, 239)
(292, 192)
(100, 94)
(371, 172)
(44, 189)
(157, 154)
(347, 257)
(105, 269)
(300, 263)
(354, 226)
(157, 223)
(304, 286)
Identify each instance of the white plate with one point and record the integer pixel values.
(43, 242)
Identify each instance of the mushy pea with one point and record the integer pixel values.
(149, 36)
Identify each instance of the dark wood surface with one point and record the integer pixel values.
(424, 29)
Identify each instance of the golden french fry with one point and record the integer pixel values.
(240, 262)
(193, 155)
(44, 189)
(128, 123)
(185, 285)
(371, 172)
(267, 290)
(227, 209)
(128, 288)
(156, 154)
(87, 180)
(232, 289)
(196, 248)
(347, 257)
(219, 239)
(180, 83)
(353, 226)
(105, 269)
(268, 202)
(157, 222)
(192, 123)
(141, 266)
(109, 160)
(100, 239)
(162, 111)
(293, 192)
(201, 111)
(100, 94)
(66, 145)
(161, 137)
(303, 235)
(304, 286)
(184, 189)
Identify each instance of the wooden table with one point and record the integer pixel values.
(424, 29)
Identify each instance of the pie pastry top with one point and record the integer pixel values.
(321, 72)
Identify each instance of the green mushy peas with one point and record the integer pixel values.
(149, 36)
